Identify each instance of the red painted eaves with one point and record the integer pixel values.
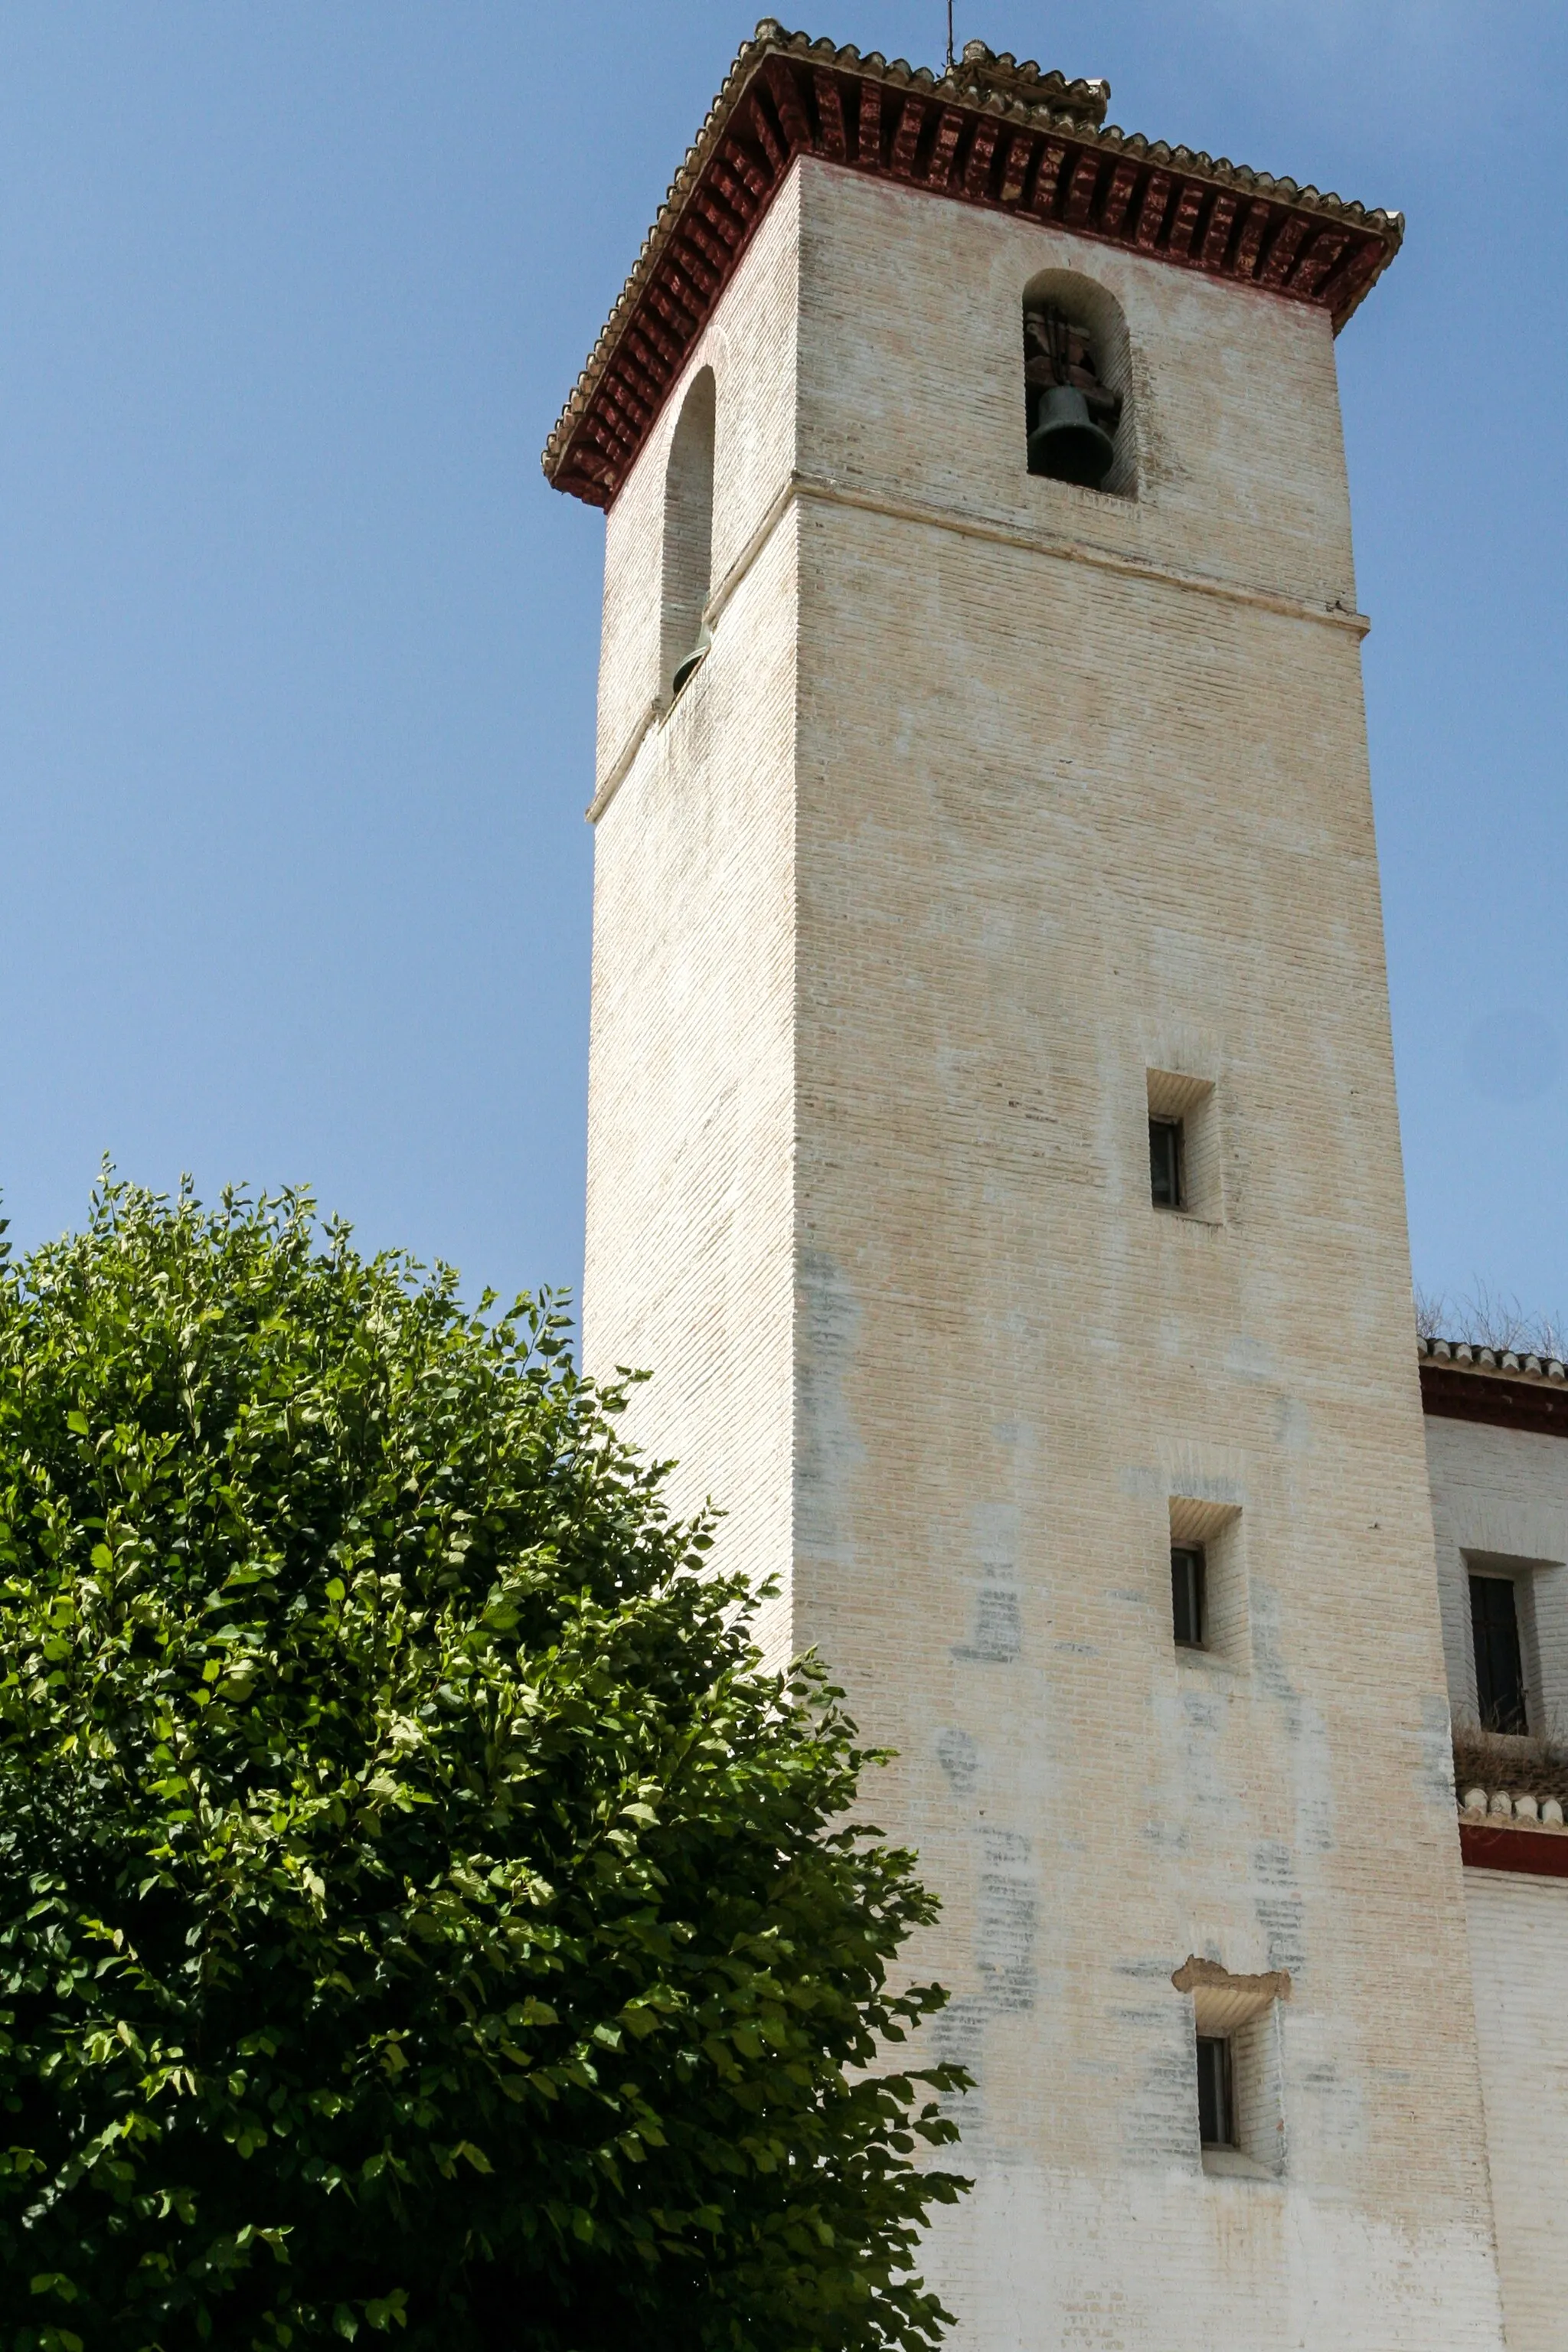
(1540, 1853)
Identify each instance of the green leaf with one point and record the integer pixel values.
(495, 1919)
(53, 2283)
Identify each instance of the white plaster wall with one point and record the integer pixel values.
(1176, 2262)
(948, 845)
(1502, 1494)
(690, 1096)
(1518, 1947)
(1057, 827)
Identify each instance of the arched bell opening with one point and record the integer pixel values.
(1077, 382)
(688, 575)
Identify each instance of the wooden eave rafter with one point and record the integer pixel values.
(986, 132)
(1450, 1393)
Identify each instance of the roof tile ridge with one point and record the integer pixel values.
(1503, 1363)
(749, 54)
(1221, 170)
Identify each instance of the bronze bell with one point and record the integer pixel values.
(694, 660)
(1067, 444)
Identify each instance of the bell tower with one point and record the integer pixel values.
(992, 1152)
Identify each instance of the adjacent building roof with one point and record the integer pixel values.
(1513, 1390)
(988, 131)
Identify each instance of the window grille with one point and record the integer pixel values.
(1217, 2104)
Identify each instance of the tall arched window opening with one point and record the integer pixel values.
(688, 536)
(1076, 382)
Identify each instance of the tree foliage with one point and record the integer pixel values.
(418, 1909)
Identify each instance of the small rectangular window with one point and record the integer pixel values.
(1500, 1668)
(1165, 1163)
(1187, 1594)
(1217, 2116)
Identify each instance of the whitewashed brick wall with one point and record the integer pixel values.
(690, 1267)
(1519, 1945)
(993, 797)
(1500, 1502)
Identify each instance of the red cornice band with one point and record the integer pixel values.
(1540, 1853)
(1455, 1395)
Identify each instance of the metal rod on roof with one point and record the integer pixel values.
(950, 36)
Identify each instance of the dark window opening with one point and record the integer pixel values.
(1500, 1669)
(1216, 2116)
(1165, 1163)
(1072, 416)
(1187, 1594)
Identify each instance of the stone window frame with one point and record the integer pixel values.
(1244, 2011)
(1193, 1104)
(1216, 1529)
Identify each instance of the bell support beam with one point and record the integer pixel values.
(869, 139)
(1047, 180)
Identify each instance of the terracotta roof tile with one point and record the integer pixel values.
(1507, 1362)
(1511, 1388)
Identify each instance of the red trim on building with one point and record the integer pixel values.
(1541, 1853)
(1457, 1394)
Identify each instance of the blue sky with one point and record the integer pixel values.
(296, 649)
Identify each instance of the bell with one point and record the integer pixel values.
(1067, 444)
(694, 660)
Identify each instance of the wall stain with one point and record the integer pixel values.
(958, 1753)
(828, 1451)
(1160, 2121)
(1006, 1913)
(997, 1635)
(1279, 1917)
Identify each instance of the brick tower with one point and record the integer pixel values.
(993, 1149)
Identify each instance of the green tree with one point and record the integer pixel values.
(418, 1908)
